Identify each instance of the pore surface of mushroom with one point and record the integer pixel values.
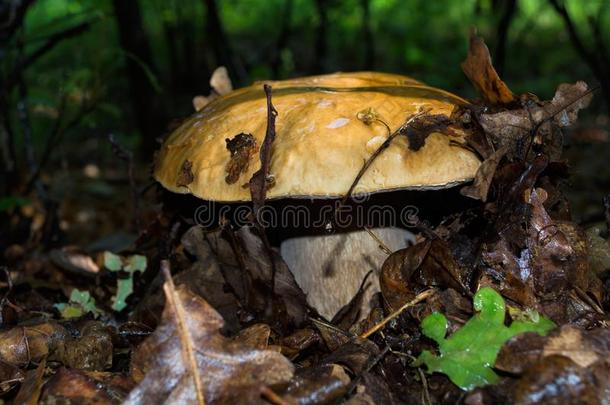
(324, 135)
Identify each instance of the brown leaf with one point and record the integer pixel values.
(71, 386)
(185, 176)
(92, 351)
(22, 344)
(478, 68)
(230, 372)
(484, 176)
(558, 380)
(209, 275)
(536, 122)
(582, 347)
(10, 376)
(30, 389)
(292, 300)
(242, 146)
(318, 385)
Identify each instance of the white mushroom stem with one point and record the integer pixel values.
(330, 268)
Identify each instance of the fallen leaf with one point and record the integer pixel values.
(466, 356)
(230, 372)
(72, 386)
(21, 345)
(30, 389)
(480, 71)
(484, 176)
(558, 380)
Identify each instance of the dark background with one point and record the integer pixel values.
(75, 72)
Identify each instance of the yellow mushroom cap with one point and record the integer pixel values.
(321, 144)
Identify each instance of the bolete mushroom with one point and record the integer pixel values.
(327, 127)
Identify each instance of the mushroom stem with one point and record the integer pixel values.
(330, 268)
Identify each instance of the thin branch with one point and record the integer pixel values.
(43, 49)
(186, 342)
(419, 298)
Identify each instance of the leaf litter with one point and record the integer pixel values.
(229, 324)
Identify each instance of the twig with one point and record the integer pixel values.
(272, 397)
(43, 49)
(188, 352)
(419, 298)
(127, 156)
(380, 243)
(368, 368)
(260, 180)
(589, 56)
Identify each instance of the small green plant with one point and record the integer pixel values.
(129, 265)
(468, 355)
(81, 302)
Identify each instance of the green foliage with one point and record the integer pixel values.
(11, 202)
(129, 265)
(467, 356)
(80, 304)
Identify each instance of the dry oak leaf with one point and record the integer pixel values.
(231, 372)
(478, 68)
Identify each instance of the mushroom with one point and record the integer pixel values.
(324, 135)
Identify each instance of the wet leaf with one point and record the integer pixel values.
(478, 68)
(22, 344)
(558, 380)
(32, 386)
(71, 386)
(230, 371)
(468, 355)
(484, 177)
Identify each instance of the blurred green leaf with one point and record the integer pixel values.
(468, 355)
(124, 290)
(81, 302)
(112, 262)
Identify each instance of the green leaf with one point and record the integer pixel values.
(80, 303)
(124, 290)
(468, 355)
(135, 263)
(112, 262)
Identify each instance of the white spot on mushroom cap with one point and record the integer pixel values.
(375, 142)
(338, 123)
(324, 103)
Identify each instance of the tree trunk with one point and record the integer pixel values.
(367, 36)
(321, 46)
(509, 8)
(149, 114)
(220, 44)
